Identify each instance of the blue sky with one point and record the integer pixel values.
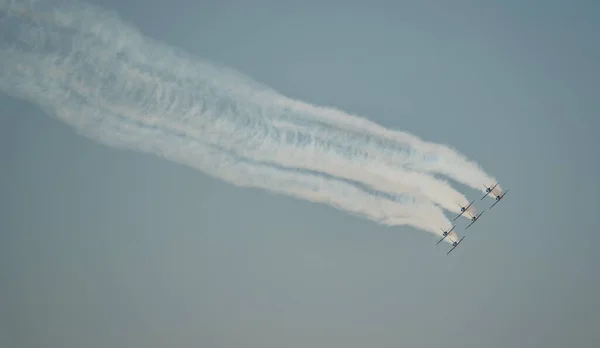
(104, 247)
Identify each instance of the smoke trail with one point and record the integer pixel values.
(111, 130)
(344, 151)
(396, 148)
(102, 77)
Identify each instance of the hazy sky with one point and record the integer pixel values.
(102, 247)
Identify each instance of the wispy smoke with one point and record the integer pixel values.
(89, 69)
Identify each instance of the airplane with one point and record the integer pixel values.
(463, 210)
(445, 234)
(454, 245)
(474, 218)
(488, 190)
(498, 198)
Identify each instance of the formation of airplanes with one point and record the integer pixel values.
(497, 196)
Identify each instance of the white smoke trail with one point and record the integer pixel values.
(89, 69)
(397, 148)
(172, 85)
(111, 130)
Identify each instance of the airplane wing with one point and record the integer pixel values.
(472, 222)
(457, 244)
(469, 225)
(496, 202)
(459, 215)
(439, 241)
(469, 206)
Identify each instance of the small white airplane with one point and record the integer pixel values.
(445, 234)
(474, 218)
(488, 190)
(454, 245)
(498, 198)
(463, 210)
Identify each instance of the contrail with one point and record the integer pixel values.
(89, 69)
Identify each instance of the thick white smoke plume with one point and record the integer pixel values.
(89, 69)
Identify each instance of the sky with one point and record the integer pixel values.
(103, 247)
